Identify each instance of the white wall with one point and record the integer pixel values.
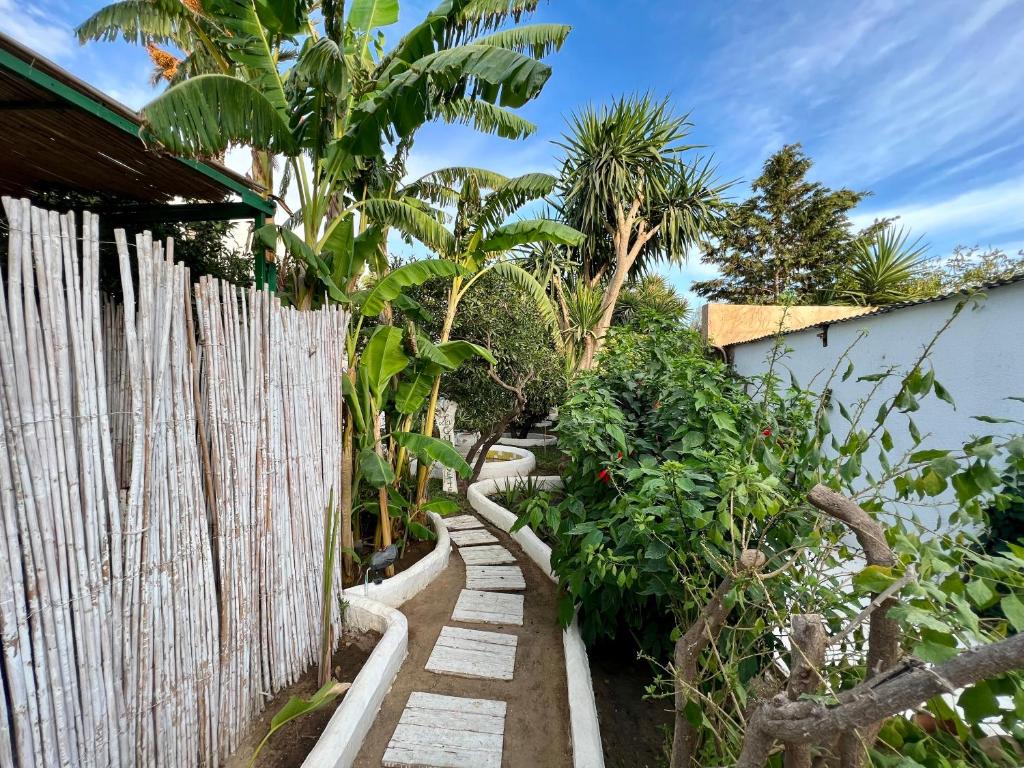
(979, 359)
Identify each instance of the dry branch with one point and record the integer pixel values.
(807, 722)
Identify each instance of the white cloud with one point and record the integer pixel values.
(984, 212)
(36, 29)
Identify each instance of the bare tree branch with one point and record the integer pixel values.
(809, 722)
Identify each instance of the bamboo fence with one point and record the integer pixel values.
(163, 475)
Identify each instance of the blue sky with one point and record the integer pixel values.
(919, 102)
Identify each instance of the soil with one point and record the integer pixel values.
(537, 720)
(289, 747)
(550, 460)
(636, 731)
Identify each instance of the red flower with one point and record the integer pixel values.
(619, 456)
(603, 476)
(657, 404)
(766, 432)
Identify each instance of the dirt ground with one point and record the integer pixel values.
(289, 746)
(537, 721)
(635, 731)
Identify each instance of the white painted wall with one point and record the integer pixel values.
(979, 359)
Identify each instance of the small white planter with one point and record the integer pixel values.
(583, 723)
(533, 440)
(410, 582)
(519, 467)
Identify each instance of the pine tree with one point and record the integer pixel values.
(791, 238)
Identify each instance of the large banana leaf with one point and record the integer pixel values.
(459, 351)
(205, 114)
(509, 197)
(429, 450)
(414, 388)
(382, 358)
(411, 218)
(486, 118)
(415, 273)
(495, 75)
(367, 15)
(528, 283)
(248, 25)
(376, 471)
(138, 22)
(531, 231)
(538, 40)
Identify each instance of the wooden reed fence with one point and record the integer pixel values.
(164, 470)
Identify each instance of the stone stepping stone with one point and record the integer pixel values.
(495, 554)
(447, 732)
(472, 653)
(461, 522)
(502, 578)
(474, 607)
(472, 536)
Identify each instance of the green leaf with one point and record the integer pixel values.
(537, 40)
(420, 532)
(442, 507)
(413, 218)
(296, 707)
(875, 579)
(981, 594)
(723, 421)
(615, 433)
(531, 231)
(978, 702)
(992, 420)
(376, 471)
(367, 15)
(413, 390)
(204, 115)
(943, 394)
(414, 273)
(920, 456)
(382, 359)
(458, 351)
(934, 653)
(429, 450)
(1013, 609)
(945, 466)
(528, 283)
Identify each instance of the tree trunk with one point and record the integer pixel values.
(883, 633)
(808, 641)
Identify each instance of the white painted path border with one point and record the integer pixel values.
(343, 737)
(341, 740)
(584, 725)
(533, 440)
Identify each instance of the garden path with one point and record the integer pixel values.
(483, 685)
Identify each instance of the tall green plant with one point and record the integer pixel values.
(627, 185)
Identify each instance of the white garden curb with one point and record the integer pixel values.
(375, 609)
(343, 737)
(533, 440)
(585, 728)
(410, 582)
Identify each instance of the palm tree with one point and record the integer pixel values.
(651, 295)
(885, 267)
(626, 185)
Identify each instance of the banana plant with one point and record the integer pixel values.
(479, 242)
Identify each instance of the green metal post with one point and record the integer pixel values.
(260, 267)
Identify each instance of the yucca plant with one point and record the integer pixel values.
(885, 267)
(627, 185)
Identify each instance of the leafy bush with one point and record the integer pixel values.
(677, 466)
